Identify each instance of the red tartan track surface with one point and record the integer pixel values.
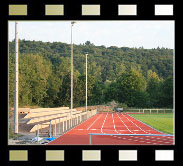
(112, 123)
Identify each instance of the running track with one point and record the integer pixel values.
(112, 123)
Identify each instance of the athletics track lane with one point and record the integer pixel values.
(112, 123)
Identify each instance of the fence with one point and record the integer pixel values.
(150, 111)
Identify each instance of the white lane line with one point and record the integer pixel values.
(146, 125)
(136, 125)
(103, 123)
(124, 124)
(114, 124)
(132, 123)
(141, 128)
(94, 122)
(86, 129)
(121, 137)
(117, 130)
(111, 130)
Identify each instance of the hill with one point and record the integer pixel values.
(44, 74)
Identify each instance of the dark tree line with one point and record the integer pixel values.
(136, 77)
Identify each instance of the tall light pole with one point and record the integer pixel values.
(16, 81)
(86, 82)
(72, 24)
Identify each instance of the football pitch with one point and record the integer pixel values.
(161, 122)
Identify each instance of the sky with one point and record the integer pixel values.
(147, 34)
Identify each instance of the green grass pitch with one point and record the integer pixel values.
(161, 122)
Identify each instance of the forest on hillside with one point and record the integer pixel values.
(133, 77)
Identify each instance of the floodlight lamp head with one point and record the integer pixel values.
(73, 22)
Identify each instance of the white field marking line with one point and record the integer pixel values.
(94, 122)
(103, 123)
(124, 124)
(136, 125)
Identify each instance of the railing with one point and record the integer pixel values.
(150, 110)
(66, 123)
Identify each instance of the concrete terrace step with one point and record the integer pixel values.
(47, 109)
(25, 128)
(23, 121)
(52, 116)
(46, 123)
(32, 119)
(29, 110)
(46, 112)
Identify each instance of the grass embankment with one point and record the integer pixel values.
(161, 122)
(12, 135)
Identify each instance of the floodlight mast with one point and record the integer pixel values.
(86, 82)
(16, 81)
(72, 24)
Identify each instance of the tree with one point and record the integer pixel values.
(129, 83)
(111, 92)
(54, 83)
(113, 74)
(139, 99)
(11, 79)
(88, 43)
(166, 98)
(36, 75)
(153, 88)
(98, 94)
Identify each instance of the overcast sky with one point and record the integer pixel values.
(149, 34)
